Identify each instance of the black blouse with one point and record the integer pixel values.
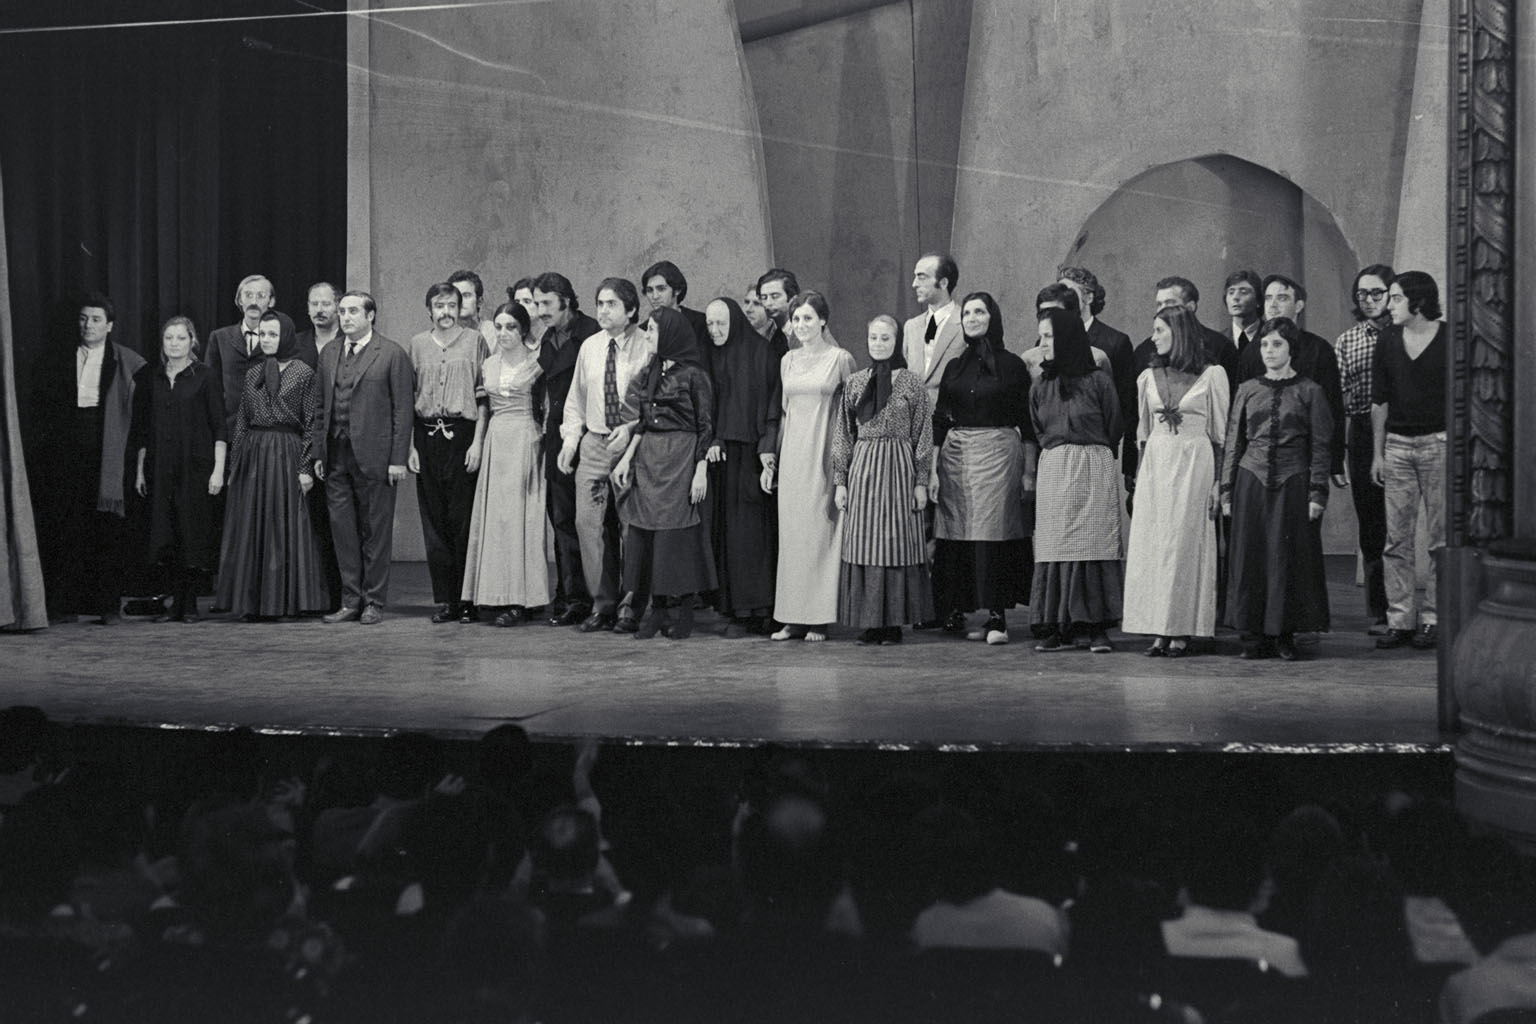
(178, 421)
(969, 396)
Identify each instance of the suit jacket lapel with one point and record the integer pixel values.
(948, 335)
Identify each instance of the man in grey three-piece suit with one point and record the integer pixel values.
(368, 387)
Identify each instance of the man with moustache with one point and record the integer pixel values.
(231, 348)
(565, 328)
(368, 387)
(775, 289)
(451, 416)
(324, 329)
(1356, 350)
(593, 436)
(472, 293)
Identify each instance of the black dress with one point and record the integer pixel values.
(1277, 462)
(177, 423)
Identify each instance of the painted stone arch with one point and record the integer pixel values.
(1202, 218)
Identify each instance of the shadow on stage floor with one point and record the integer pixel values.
(932, 692)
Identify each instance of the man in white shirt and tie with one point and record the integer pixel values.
(230, 348)
(592, 438)
(932, 339)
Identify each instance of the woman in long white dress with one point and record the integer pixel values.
(1170, 564)
(805, 591)
(506, 566)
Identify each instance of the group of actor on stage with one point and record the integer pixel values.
(736, 457)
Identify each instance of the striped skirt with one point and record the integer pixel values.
(881, 527)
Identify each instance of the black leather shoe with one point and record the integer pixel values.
(1286, 648)
(1157, 650)
(869, 638)
(468, 613)
(446, 613)
(626, 622)
(598, 622)
(1394, 639)
(1426, 638)
(954, 623)
(510, 617)
(574, 615)
(929, 624)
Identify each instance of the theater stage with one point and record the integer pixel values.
(933, 691)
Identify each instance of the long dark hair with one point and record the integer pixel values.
(1188, 352)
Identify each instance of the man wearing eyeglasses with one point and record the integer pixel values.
(1357, 356)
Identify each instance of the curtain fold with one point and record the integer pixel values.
(21, 589)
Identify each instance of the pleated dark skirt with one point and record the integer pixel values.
(873, 596)
(744, 533)
(1067, 595)
(270, 564)
(668, 563)
(1275, 578)
(972, 574)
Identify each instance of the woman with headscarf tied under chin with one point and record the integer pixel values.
(662, 479)
(270, 565)
(985, 462)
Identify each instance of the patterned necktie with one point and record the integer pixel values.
(611, 385)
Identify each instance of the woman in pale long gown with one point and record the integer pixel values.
(506, 566)
(1170, 563)
(805, 591)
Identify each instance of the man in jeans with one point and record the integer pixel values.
(1408, 425)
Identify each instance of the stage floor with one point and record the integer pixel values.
(932, 691)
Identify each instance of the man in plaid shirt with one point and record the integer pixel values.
(1357, 350)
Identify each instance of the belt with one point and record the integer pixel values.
(442, 425)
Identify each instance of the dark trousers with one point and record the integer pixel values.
(560, 501)
(362, 526)
(1370, 511)
(446, 492)
(320, 524)
(88, 556)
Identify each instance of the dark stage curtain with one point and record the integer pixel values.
(160, 165)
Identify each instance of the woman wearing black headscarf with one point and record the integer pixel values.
(663, 479)
(270, 564)
(744, 529)
(1079, 580)
(986, 453)
(881, 454)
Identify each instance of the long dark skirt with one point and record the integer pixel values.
(876, 596)
(1275, 578)
(744, 533)
(668, 563)
(270, 563)
(1068, 597)
(972, 574)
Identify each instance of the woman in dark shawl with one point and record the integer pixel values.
(270, 565)
(986, 456)
(1079, 581)
(744, 529)
(663, 479)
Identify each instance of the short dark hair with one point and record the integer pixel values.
(813, 299)
(470, 276)
(1185, 286)
(947, 270)
(1084, 277)
(625, 290)
(369, 305)
(1245, 275)
(517, 312)
(1283, 326)
(444, 289)
(791, 286)
(1061, 294)
(335, 292)
(1378, 270)
(1295, 287)
(1422, 293)
(519, 285)
(670, 274)
(98, 300)
(552, 283)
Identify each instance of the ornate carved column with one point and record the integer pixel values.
(1491, 669)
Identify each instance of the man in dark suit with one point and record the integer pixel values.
(565, 328)
(230, 348)
(666, 287)
(324, 330)
(1243, 289)
(368, 387)
(775, 289)
(1114, 344)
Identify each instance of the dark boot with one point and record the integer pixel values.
(655, 618)
(682, 627)
(189, 603)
